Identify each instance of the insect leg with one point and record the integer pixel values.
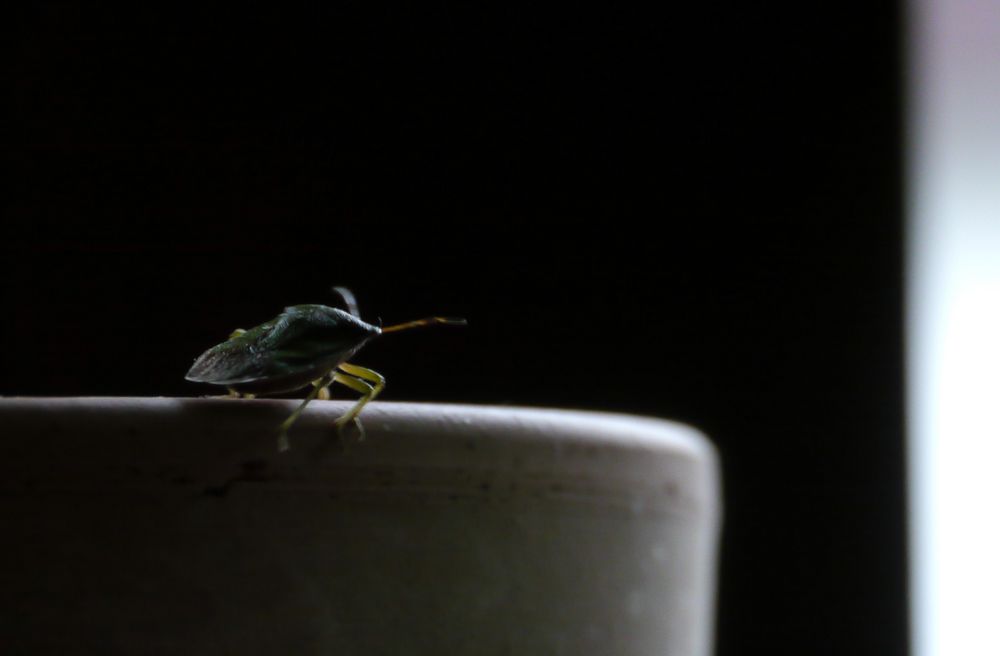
(365, 374)
(352, 415)
(319, 384)
(324, 387)
(365, 381)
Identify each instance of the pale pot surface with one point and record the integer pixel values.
(165, 526)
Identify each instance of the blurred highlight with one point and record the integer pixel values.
(953, 325)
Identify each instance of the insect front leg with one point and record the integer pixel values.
(369, 383)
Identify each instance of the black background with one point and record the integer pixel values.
(691, 213)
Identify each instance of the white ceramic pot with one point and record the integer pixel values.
(173, 526)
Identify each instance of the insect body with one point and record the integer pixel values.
(304, 345)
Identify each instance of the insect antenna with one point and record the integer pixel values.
(349, 300)
(429, 321)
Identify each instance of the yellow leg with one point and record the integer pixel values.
(365, 374)
(324, 391)
(318, 384)
(364, 381)
(358, 386)
(375, 383)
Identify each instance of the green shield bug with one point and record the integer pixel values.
(304, 345)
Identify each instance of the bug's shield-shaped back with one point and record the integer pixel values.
(303, 341)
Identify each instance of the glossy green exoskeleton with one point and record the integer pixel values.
(304, 345)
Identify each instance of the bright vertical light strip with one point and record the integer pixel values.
(953, 177)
